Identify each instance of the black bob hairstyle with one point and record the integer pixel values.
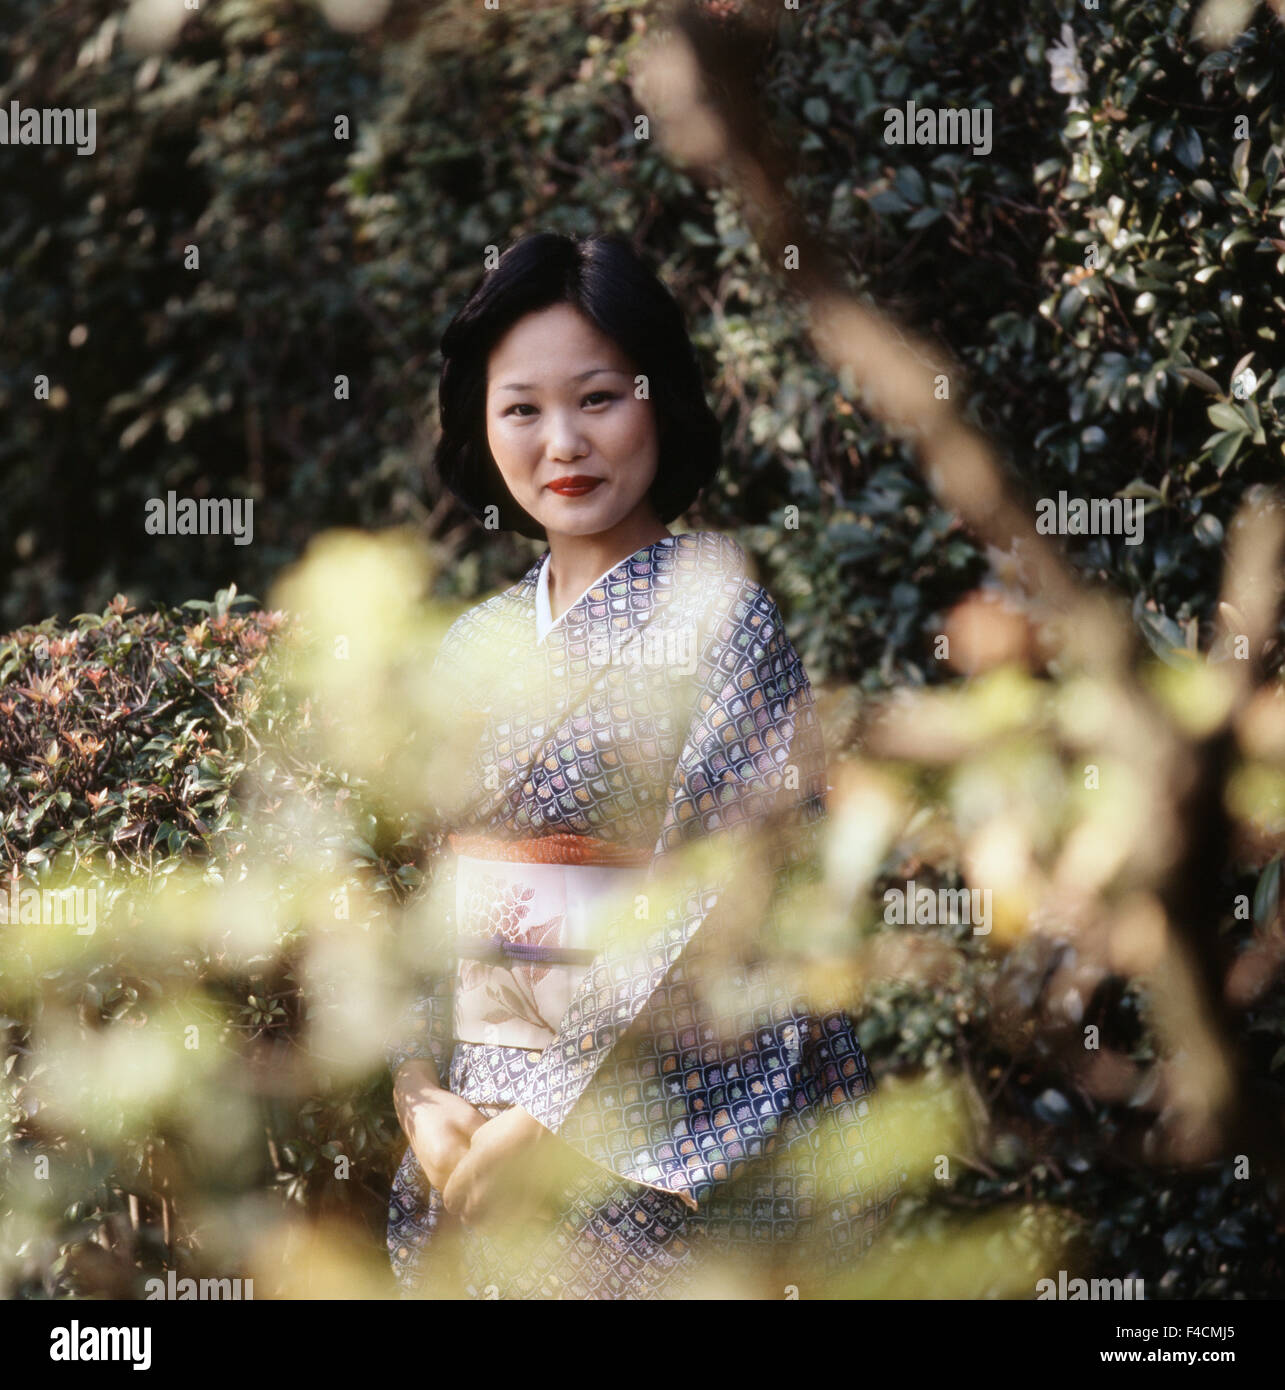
(609, 282)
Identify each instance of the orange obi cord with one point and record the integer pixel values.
(551, 849)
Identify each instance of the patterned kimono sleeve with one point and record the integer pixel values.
(423, 1027)
(619, 1081)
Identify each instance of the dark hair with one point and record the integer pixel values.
(608, 281)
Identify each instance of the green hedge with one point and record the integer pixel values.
(322, 257)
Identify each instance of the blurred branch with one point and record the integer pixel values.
(703, 81)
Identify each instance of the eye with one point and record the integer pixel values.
(594, 397)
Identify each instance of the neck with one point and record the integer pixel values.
(576, 561)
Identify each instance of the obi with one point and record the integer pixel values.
(531, 915)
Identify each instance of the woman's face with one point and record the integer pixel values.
(560, 405)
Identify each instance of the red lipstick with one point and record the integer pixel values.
(574, 485)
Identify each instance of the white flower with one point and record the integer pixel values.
(1244, 385)
(1068, 75)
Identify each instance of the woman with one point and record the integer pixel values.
(614, 1086)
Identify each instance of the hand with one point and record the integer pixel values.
(438, 1123)
(515, 1170)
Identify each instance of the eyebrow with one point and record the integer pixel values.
(593, 371)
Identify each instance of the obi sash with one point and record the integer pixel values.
(530, 917)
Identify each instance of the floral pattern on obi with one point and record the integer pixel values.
(525, 937)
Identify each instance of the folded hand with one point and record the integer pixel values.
(515, 1170)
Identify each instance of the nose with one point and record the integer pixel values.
(565, 442)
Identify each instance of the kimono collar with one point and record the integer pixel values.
(544, 619)
(630, 592)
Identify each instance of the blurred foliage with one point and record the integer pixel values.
(1042, 1139)
(166, 753)
(132, 768)
(281, 921)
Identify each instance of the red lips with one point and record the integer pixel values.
(574, 485)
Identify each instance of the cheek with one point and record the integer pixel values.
(633, 428)
(498, 437)
(506, 452)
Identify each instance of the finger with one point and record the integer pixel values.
(440, 1171)
(472, 1123)
(489, 1206)
(455, 1191)
(497, 1202)
(478, 1206)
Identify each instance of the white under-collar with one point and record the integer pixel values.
(544, 619)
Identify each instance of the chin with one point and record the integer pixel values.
(572, 520)
(585, 526)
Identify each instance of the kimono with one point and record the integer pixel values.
(603, 976)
